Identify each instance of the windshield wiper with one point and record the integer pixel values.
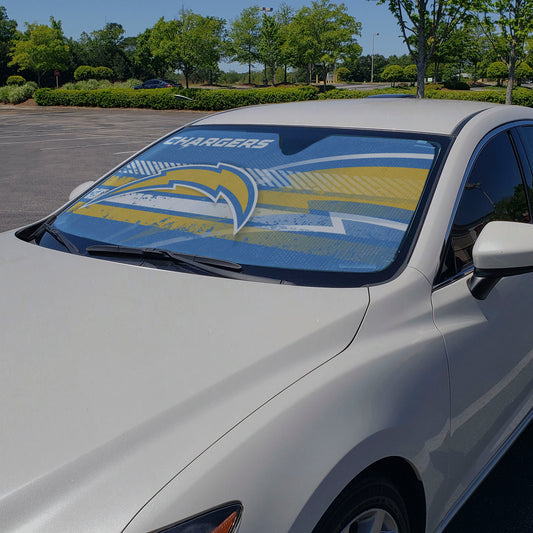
(210, 265)
(59, 237)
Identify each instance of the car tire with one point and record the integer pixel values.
(361, 508)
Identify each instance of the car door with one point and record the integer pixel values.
(489, 342)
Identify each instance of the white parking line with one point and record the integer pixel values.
(99, 144)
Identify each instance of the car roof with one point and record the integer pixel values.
(403, 114)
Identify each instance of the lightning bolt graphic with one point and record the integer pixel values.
(233, 184)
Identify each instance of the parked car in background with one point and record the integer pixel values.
(304, 317)
(157, 84)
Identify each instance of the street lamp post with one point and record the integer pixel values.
(265, 10)
(372, 67)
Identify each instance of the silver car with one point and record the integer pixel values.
(305, 317)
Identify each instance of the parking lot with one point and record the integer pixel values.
(46, 152)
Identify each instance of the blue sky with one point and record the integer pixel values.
(135, 16)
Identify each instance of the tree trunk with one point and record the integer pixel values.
(421, 63)
(421, 77)
(249, 73)
(510, 81)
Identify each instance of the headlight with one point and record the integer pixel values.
(223, 519)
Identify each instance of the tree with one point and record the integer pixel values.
(392, 73)
(410, 74)
(106, 48)
(8, 31)
(425, 25)
(497, 71)
(361, 67)
(284, 16)
(270, 41)
(514, 21)
(41, 48)
(523, 72)
(146, 62)
(243, 38)
(188, 43)
(322, 35)
(402, 60)
(344, 74)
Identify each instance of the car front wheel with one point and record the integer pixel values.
(373, 505)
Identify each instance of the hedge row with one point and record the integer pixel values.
(220, 99)
(197, 99)
(345, 94)
(521, 96)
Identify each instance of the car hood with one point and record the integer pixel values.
(115, 377)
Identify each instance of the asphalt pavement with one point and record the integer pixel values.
(47, 152)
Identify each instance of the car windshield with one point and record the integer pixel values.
(285, 198)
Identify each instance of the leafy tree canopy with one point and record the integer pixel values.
(322, 35)
(187, 43)
(107, 48)
(426, 25)
(512, 20)
(392, 73)
(8, 31)
(243, 38)
(41, 48)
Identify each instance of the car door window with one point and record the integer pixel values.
(494, 190)
(526, 136)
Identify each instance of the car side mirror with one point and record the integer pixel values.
(80, 189)
(502, 249)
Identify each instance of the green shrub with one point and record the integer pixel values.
(343, 94)
(410, 73)
(84, 72)
(393, 73)
(17, 95)
(15, 80)
(434, 86)
(4, 95)
(497, 97)
(523, 71)
(128, 84)
(103, 73)
(14, 94)
(497, 71)
(343, 74)
(456, 85)
(220, 99)
(339, 94)
(200, 99)
(28, 89)
(87, 85)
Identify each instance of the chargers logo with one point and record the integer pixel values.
(236, 186)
